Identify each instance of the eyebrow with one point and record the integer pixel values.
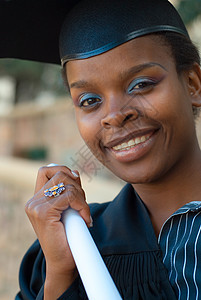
(78, 84)
(133, 70)
(137, 69)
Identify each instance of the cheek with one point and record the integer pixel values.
(176, 118)
(91, 131)
(171, 104)
(89, 128)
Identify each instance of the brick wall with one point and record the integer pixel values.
(31, 126)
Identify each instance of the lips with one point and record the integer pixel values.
(133, 138)
(133, 146)
(132, 143)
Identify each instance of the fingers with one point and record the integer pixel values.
(45, 214)
(45, 209)
(60, 177)
(40, 207)
(46, 173)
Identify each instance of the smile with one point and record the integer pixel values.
(132, 143)
(134, 147)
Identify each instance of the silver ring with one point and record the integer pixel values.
(55, 190)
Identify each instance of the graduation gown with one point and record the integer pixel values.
(126, 240)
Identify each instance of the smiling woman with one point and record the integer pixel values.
(129, 105)
(135, 90)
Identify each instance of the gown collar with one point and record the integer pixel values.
(123, 226)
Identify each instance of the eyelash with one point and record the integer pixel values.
(87, 97)
(145, 82)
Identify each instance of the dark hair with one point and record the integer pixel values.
(184, 53)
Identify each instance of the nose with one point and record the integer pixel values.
(119, 117)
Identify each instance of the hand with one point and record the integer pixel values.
(45, 216)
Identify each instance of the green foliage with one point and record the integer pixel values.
(32, 77)
(189, 10)
(21, 69)
(38, 153)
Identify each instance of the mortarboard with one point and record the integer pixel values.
(31, 29)
(94, 27)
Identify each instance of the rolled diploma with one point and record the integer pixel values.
(91, 267)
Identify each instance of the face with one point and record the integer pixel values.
(133, 110)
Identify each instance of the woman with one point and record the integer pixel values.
(136, 91)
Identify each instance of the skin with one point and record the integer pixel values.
(45, 217)
(159, 101)
(138, 94)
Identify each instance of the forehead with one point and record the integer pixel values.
(135, 52)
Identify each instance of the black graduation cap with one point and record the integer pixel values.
(30, 29)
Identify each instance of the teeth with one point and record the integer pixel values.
(117, 147)
(128, 145)
(124, 145)
(137, 141)
(131, 143)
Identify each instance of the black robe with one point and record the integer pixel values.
(125, 238)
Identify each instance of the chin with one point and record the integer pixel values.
(138, 177)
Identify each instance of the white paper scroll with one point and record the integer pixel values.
(93, 272)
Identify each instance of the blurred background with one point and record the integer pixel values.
(37, 127)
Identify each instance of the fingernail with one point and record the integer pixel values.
(91, 222)
(75, 174)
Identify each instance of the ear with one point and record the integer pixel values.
(194, 85)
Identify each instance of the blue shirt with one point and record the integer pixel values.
(180, 243)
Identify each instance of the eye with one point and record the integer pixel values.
(89, 100)
(141, 84)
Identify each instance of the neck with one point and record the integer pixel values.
(173, 190)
